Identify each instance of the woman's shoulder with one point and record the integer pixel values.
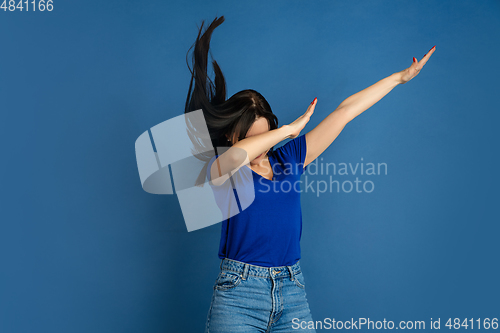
(293, 148)
(292, 152)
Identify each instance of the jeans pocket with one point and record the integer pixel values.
(227, 280)
(299, 280)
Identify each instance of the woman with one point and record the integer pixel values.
(260, 287)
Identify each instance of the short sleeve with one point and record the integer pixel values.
(212, 160)
(296, 150)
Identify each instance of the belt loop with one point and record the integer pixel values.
(221, 264)
(291, 272)
(245, 272)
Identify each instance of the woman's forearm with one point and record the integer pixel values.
(354, 105)
(253, 146)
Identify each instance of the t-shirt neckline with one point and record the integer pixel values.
(271, 180)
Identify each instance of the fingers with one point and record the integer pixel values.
(311, 107)
(417, 66)
(415, 63)
(426, 57)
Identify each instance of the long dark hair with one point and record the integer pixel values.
(224, 118)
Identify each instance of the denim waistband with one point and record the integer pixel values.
(245, 269)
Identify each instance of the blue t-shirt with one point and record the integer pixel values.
(267, 232)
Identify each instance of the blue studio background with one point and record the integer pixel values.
(84, 248)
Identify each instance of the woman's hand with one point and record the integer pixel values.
(297, 126)
(412, 71)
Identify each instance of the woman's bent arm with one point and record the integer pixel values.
(244, 151)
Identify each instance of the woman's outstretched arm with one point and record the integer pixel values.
(322, 136)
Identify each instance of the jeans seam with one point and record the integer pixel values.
(238, 281)
(280, 310)
(300, 285)
(210, 312)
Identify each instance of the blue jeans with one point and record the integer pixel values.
(249, 298)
